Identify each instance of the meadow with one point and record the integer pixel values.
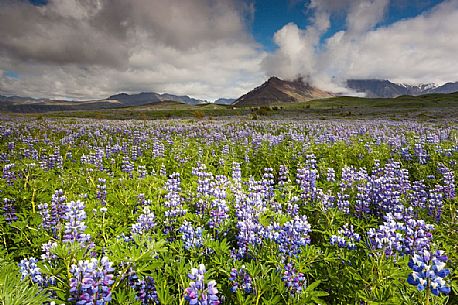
(228, 211)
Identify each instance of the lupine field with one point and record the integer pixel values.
(228, 212)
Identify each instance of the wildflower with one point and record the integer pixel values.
(91, 282)
(191, 237)
(294, 281)
(74, 225)
(240, 278)
(429, 272)
(199, 293)
(346, 237)
(9, 211)
(145, 222)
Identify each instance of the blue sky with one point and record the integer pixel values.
(271, 15)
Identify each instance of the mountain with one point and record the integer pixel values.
(385, 88)
(151, 97)
(275, 91)
(447, 88)
(224, 101)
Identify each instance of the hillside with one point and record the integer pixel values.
(276, 91)
(380, 88)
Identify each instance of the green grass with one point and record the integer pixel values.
(433, 106)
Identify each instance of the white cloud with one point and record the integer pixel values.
(92, 49)
(416, 50)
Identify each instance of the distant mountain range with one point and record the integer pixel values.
(275, 91)
(272, 92)
(152, 97)
(28, 104)
(224, 101)
(387, 89)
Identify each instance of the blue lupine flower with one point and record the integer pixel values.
(429, 272)
(388, 237)
(145, 288)
(8, 174)
(47, 248)
(290, 236)
(91, 282)
(74, 225)
(173, 201)
(52, 214)
(240, 279)
(145, 222)
(198, 293)
(102, 191)
(294, 281)
(192, 238)
(346, 238)
(29, 269)
(9, 212)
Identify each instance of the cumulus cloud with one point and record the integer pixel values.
(91, 49)
(416, 50)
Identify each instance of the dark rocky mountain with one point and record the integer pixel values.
(386, 89)
(447, 88)
(277, 91)
(224, 101)
(28, 104)
(152, 97)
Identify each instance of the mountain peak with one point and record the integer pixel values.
(276, 90)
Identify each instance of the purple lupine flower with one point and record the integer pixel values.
(307, 178)
(388, 237)
(204, 188)
(250, 231)
(47, 248)
(291, 236)
(268, 183)
(173, 201)
(142, 172)
(8, 174)
(283, 175)
(91, 282)
(52, 214)
(145, 288)
(326, 199)
(343, 203)
(429, 272)
(192, 237)
(163, 170)
(419, 196)
(236, 172)
(9, 211)
(240, 279)
(346, 238)
(449, 182)
(198, 293)
(294, 281)
(363, 199)
(145, 222)
(74, 223)
(29, 269)
(418, 236)
(219, 210)
(127, 166)
(102, 191)
(435, 202)
(421, 153)
(331, 175)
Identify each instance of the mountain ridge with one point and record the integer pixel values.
(387, 89)
(276, 90)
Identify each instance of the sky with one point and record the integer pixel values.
(208, 49)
